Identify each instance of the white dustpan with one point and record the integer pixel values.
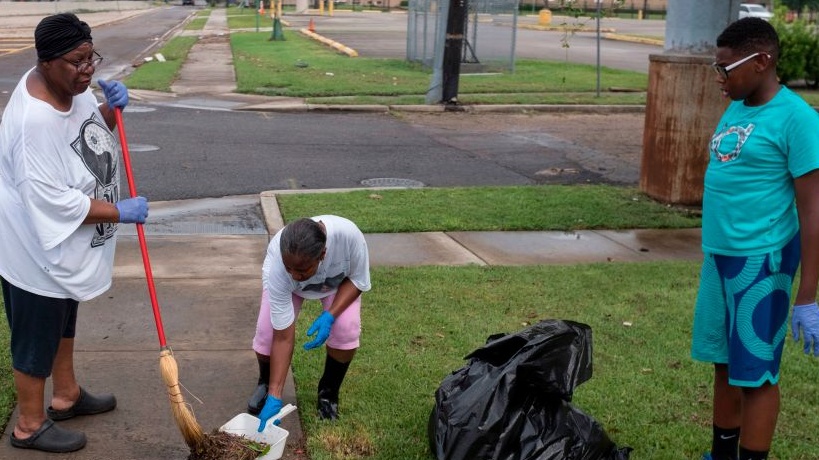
(247, 425)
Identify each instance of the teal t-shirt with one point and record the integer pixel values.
(755, 153)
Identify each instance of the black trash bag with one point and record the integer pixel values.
(512, 400)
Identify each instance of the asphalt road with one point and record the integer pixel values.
(181, 153)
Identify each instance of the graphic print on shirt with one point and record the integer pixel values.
(97, 149)
(330, 283)
(727, 143)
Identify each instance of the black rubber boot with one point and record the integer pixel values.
(257, 399)
(329, 387)
(259, 396)
(327, 405)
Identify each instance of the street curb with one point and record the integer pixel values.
(497, 108)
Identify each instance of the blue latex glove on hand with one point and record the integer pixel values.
(116, 94)
(133, 210)
(322, 325)
(272, 406)
(805, 318)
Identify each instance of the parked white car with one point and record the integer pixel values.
(752, 10)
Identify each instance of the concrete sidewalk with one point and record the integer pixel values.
(208, 279)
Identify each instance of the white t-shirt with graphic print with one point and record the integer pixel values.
(346, 257)
(51, 163)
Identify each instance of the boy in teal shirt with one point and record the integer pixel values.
(760, 218)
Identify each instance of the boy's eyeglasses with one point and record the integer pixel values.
(723, 71)
(83, 66)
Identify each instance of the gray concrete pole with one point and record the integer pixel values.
(684, 103)
(692, 26)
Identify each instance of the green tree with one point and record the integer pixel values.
(800, 5)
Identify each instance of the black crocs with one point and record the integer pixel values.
(51, 438)
(257, 399)
(86, 404)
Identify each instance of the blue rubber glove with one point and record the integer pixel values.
(133, 210)
(116, 94)
(322, 326)
(805, 318)
(272, 406)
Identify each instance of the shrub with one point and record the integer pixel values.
(798, 57)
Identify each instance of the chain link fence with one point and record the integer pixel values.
(489, 33)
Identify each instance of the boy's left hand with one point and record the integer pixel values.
(805, 318)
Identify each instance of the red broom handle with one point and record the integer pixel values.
(143, 246)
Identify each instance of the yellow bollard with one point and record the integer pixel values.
(545, 17)
(640, 15)
(330, 6)
(321, 7)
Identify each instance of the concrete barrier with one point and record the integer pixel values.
(329, 42)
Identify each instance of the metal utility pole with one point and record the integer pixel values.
(453, 47)
(684, 103)
(599, 14)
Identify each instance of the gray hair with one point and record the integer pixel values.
(304, 238)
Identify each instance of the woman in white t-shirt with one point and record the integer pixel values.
(324, 258)
(59, 209)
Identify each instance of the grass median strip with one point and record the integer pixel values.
(544, 207)
(158, 76)
(264, 68)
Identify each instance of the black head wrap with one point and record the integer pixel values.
(58, 34)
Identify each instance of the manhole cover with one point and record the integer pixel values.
(142, 148)
(139, 109)
(391, 182)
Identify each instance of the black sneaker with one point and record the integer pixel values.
(257, 399)
(327, 406)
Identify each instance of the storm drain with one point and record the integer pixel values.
(392, 182)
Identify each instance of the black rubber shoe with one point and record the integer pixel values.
(51, 438)
(86, 404)
(327, 406)
(257, 399)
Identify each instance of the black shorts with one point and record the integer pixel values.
(37, 325)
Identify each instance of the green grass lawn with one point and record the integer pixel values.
(548, 207)
(8, 396)
(419, 323)
(158, 76)
(302, 67)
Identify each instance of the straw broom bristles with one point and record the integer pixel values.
(185, 419)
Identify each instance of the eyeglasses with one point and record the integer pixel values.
(83, 66)
(724, 71)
